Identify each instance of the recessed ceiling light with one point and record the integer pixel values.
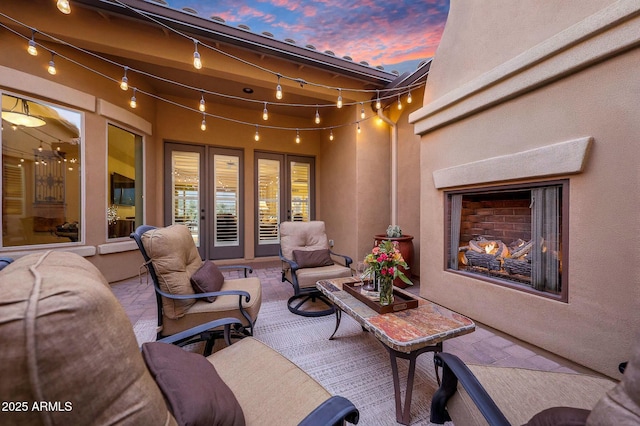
(247, 90)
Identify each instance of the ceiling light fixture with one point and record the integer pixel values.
(197, 62)
(278, 89)
(32, 49)
(52, 66)
(124, 83)
(63, 6)
(22, 118)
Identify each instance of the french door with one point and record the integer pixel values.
(285, 191)
(203, 190)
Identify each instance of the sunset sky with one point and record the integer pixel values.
(396, 34)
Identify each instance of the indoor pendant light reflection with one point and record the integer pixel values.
(124, 83)
(32, 49)
(265, 113)
(22, 118)
(339, 104)
(278, 90)
(52, 66)
(133, 103)
(63, 6)
(197, 62)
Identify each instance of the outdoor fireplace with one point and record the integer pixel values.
(512, 235)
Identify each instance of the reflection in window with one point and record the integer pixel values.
(124, 211)
(268, 200)
(41, 196)
(227, 179)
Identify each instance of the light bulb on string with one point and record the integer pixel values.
(133, 103)
(359, 127)
(297, 136)
(40, 147)
(32, 49)
(339, 104)
(202, 107)
(278, 90)
(330, 135)
(265, 113)
(51, 69)
(399, 103)
(203, 125)
(63, 6)
(378, 104)
(409, 100)
(257, 135)
(317, 120)
(124, 83)
(197, 62)
(362, 114)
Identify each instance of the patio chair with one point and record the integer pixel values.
(307, 258)
(499, 396)
(173, 262)
(70, 357)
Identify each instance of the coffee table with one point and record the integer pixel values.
(405, 334)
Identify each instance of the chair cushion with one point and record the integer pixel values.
(302, 236)
(312, 258)
(620, 406)
(195, 393)
(307, 277)
(249, 367)
(560, 416)
(206, 279)
(66, 338)
(175, 259)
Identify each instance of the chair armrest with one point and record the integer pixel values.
(454, 370)
(332, 412)
(293, 265)
(203, 295)
(247, 269)
(347, 260)
(5, 261)
(187, 334)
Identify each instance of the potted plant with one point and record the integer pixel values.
(405, 245)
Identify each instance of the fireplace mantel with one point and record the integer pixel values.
(562, 158)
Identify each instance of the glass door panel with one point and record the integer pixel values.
(300, 174)
(268, 201)
(226, 178)
(185, 193)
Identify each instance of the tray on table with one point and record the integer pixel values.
(401, 301)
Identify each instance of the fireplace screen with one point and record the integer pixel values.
(512, 234)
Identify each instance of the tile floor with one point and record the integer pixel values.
(484, 346)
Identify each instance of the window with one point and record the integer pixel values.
(513, 235)
(41, 181)
(124, 211)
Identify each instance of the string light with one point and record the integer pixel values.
(362, 114)
(257, 135)
(52, 66)
(317, 120)
(278, 90)
(297, 136)
(63, 6)
(359, 127)
(330, 135)
(33, 51)
(202, 107)
(133, 103)
(378, 105)
(197, 62)
(124, 83)
(203, 125)
(339, 105)
(409, 100)
(399, 103)
(265, 113)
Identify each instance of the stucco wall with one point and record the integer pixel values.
(560, 96)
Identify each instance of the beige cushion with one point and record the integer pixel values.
(65, 338)
(307, 277)
(261, 379)
(620, 406)
(522, 393)
(223, 307)
(302, 236)
(175, 258)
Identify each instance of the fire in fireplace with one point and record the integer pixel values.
(509, 235)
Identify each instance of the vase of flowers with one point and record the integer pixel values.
(384, 262)
(405, 244)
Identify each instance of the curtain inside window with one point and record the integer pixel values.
(545, 255)
(456, 217)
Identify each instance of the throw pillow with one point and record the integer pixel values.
(560, 416)
(312, 258)
(206, 279)
(195, 393)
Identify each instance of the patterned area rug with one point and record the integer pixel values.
(354, 365)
